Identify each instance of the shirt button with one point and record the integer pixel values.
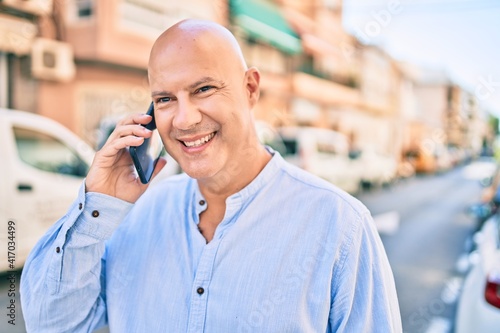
(202, 202)
(95, 213)
(58, 249)
(200, 291)
(80, 206)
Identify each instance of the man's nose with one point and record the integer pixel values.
(187, 114)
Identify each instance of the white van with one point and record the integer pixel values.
(269, 136)
(376, 169)
(42, 166)
(322, 152)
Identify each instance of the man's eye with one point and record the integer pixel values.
(205, 88)
(164, 99)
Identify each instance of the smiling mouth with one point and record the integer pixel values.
(199, 142)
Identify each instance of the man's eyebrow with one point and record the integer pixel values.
(205, 79)
(160, 93)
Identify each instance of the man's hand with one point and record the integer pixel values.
(112, 171)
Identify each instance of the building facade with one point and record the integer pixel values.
(82, 62)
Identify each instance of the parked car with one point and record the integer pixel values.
(432, 159)
(43, 165)
(457, 155)
(322, 152)
(488, 174)
(479, 303)
(405, 169)
(376, 169)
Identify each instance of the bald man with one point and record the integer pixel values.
(241, 242)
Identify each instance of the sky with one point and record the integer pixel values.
(459, 37)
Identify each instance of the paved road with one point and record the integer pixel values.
(425, 250)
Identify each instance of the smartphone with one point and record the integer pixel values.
(147, 154)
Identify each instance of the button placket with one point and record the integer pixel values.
(199, 296)
(233, 207)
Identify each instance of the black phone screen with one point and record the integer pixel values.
(147, 154)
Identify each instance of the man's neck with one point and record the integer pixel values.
(228, 182)
(217, 189)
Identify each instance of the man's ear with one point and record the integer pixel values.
(253, 85)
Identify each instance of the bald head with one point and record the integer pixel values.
(204, 37)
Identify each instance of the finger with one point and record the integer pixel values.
(136, 130)
(115, 146)
(130, 125)
(138, 118)
(129, 130)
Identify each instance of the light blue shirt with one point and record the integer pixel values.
(293, 253)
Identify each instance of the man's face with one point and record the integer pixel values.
(202, 107)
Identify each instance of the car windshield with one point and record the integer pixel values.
(46, 153)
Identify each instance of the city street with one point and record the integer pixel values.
(392, 101)
(424, 229)
(426, 249)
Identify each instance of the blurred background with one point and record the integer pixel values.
(396, 102)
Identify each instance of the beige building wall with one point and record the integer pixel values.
(355, 87)
(432, 104)
(407, 108)
(111, 49)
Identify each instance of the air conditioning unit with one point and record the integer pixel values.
(52, 60)
(36, 7)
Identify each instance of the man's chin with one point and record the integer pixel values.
(197, 171)
(200, 167)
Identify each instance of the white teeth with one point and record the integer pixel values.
(199, 142)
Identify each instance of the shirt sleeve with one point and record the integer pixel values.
(61, 279)
(363, 289)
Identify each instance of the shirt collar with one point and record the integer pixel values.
(263, 178)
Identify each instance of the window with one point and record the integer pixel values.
(291, 146)
(84, 8)
(48, 154)
(80, 10)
